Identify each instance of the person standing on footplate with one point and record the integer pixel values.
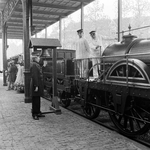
(82, 52)
(97, 49)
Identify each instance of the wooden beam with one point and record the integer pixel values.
(47, 5)
(14, 30)
(83, 1)
(40, 12)
(17, 16)
(21, 28)
(14, 24)
(36, 18)
(49, 13)
(34, 22)
(14, 27)
(21, 25)
(13, 37)
(45, 18)
(15, 33)
(15, 21)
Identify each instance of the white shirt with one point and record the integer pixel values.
(82, 49)
(96, 52)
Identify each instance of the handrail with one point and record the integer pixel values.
(112, 56)
(105, 66)
(133, 29)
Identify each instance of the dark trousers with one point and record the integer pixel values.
(36, 104)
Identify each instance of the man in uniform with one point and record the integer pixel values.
(36, 87)
(96, 48)
(82, 53)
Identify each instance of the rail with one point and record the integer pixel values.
(133, 29)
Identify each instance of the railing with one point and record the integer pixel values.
(104, 64)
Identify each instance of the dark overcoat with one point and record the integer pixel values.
(36, 79)
(12, 73)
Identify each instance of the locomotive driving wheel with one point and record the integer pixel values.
(92, 111)
(135, 119)
(64, 99)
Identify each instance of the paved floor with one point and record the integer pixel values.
(68, 131)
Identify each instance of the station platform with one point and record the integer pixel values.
(68, 131)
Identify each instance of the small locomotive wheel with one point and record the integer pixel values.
(135, 119)
(90, 110)
(64, 99)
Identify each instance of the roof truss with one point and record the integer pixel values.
(44, 13)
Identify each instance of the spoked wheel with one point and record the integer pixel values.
(92, 111)
(65, 100)
(133, 121)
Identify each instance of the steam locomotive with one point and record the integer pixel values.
(122, 87)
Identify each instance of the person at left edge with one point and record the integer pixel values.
(36, 87)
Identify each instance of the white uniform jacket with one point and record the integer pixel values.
(94, 51)
(82, 49)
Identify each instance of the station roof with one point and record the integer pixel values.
(44, 14)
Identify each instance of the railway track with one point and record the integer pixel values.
(105, 121)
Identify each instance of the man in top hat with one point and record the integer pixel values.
(96, 48)
(82, 53)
